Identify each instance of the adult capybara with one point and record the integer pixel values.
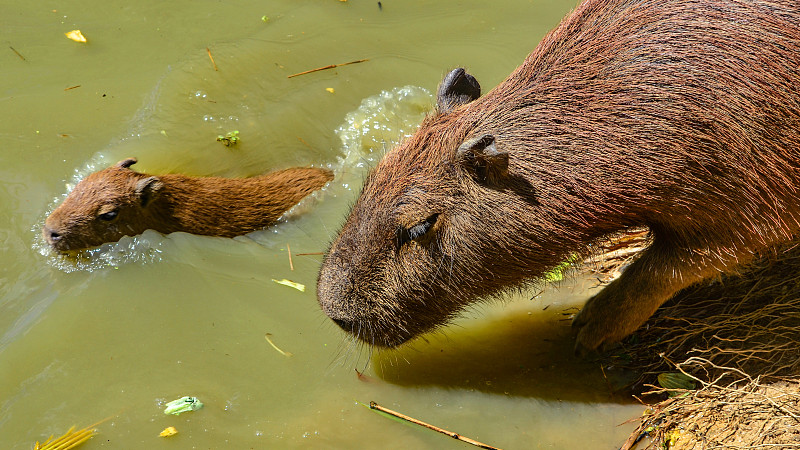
(115, 202)
(679, 115)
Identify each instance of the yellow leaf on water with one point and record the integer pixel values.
(291, 284)
(76, 36)
(169, 431)
(69, 440)
(329, 90)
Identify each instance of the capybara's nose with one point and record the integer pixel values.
(346, 325)
(51, 235)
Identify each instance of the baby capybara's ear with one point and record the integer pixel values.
(481, 158)
(458, 88)
(126, 163)
(147, 189)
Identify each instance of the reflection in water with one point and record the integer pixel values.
(519, 353)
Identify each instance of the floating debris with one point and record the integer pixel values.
(212, 59)
(332, 66)
(169, 431)
(268, 337)
(182, 405)
(394, 414)
(231, 138)
(291, 284)
(76, 36)
(18, 53)
(70, 439)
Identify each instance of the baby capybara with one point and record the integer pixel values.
(679, 115)
(117, 202)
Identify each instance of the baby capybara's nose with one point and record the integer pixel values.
(51, 235)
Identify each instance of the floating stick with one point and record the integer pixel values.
(377, 407)
(268, 337)
(18, 53)
(289, 250)
(212, 59)
(332, 66)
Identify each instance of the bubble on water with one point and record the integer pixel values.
(381, 122)
(142, 248)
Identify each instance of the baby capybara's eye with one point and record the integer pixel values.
(405, 235)
(109, 216)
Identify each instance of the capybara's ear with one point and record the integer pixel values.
(458, 88)
(481, 158)
(126, 163)
(147, 189)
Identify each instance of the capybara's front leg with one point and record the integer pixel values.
(627, 302)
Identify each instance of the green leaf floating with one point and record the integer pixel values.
(182, 405)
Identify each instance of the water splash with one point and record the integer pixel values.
(381, 122)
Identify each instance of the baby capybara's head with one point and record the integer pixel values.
(103, 207)
(433, 214)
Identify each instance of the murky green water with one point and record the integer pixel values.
(155, 317)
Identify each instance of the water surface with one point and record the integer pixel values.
(152, 318)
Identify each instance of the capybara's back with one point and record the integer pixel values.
(681, 115)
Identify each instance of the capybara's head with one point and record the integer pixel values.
(433, 214)
(103, 207)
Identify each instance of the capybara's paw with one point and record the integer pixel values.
(601, 323)
(590, 326)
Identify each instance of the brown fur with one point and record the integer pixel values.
(167, 203)
(683, 116)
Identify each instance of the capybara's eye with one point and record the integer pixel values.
(109, 216)
(405, 235)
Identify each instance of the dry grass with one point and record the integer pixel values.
(739, 338)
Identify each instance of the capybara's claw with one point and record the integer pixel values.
(582, 351)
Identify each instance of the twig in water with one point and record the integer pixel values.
(608, 383)
(268, 337)
(362, 377)
(305, 143)
(289, 250)
(71, 439)
(212, 59)
(18, 53)
(312, 253)
(377, 407)
(72, 87)
(332, 66)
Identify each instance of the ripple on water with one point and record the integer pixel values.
(380, 122)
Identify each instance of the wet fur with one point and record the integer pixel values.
(683, 116)
(167, 203)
